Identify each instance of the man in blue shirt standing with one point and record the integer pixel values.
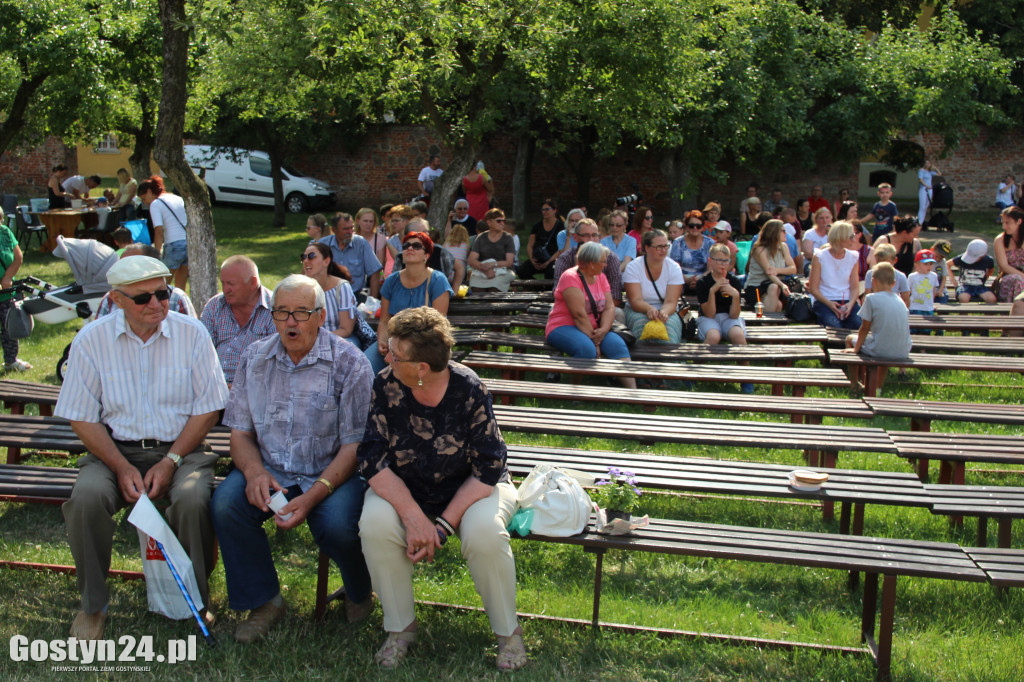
(356, 254)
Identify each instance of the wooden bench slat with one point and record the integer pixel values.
(783, 376)
(833, 407)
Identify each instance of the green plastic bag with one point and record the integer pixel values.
(521, 522)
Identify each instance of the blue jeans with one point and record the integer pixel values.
(249, 567)
(827, 318)
(575, 343)
(377, 362)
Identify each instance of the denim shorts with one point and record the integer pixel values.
(176, 254)
(975, 290)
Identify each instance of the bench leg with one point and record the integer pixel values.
(598, 567)
(871, 385)
(13, 455)
(945, 472)
(1005, 527)
(982, 540)
(885, 627)
(867, 617)
(922, 469)
(46, 410)
(959, 472)
(919, 424)
(828, 461)
(844, 517)
(323, 567)
(858, 518)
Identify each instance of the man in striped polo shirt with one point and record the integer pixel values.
(143, 388)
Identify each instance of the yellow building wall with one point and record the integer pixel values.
(105, 162)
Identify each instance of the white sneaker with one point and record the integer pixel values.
(17, 366)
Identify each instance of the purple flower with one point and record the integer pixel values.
(613, 472)
(602, 482)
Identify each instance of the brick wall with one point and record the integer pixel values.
(25, 171)
(384, 167)
(975, 169)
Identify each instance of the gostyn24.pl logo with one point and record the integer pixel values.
(126, 649)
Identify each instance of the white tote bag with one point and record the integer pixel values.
(560, 505)
(165, 596)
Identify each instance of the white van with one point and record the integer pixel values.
(243, 176)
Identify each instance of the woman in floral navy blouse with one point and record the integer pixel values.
(435, 461)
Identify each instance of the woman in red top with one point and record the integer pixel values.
(479, 189)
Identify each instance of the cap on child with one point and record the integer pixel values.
(976, 250)
(924, 256)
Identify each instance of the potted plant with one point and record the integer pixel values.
(618, 494)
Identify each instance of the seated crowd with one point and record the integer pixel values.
(374, 436)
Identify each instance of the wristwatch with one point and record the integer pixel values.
(174, 458)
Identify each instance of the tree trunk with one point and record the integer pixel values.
(275, 174)
(15, 118)
(170, 154)
(144, 141)
(676, 169)
(443, 196)
(526, 145)
(584, 173)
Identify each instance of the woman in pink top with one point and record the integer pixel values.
(580, 322)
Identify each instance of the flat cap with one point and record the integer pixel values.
(135, 269)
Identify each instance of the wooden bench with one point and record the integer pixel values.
(1003, 503)
(990, 345)
(54, 433)
(52, 485)
(493, 322)
(668, 352)
(1003, 567)
(477, 307)
(770, 333)
(967, 323)
(872, 368)
(852, 488)
(889, 558)
(972, 308)
(17, 394)
(923, 412)
(648, 428)
(514, 365)
(954, 450)
(801, 410)
(532, 285)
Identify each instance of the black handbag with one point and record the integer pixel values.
(799, 308)
(624, 332)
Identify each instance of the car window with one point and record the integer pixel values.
(259, 166)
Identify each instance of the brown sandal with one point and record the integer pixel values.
(395, 649)
(511, 653)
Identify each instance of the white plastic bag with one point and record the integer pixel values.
(560, 505)
(369, 308)
(162, 589)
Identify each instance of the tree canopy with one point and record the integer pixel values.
(704, 82)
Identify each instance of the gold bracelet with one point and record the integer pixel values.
(330, 488)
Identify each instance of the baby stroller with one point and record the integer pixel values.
(89, 261)
(942, 200)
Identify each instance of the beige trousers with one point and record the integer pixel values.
(485, 546)
(96, 497)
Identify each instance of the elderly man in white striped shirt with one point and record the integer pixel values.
(143, 389)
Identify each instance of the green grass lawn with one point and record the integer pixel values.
(944, 630)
